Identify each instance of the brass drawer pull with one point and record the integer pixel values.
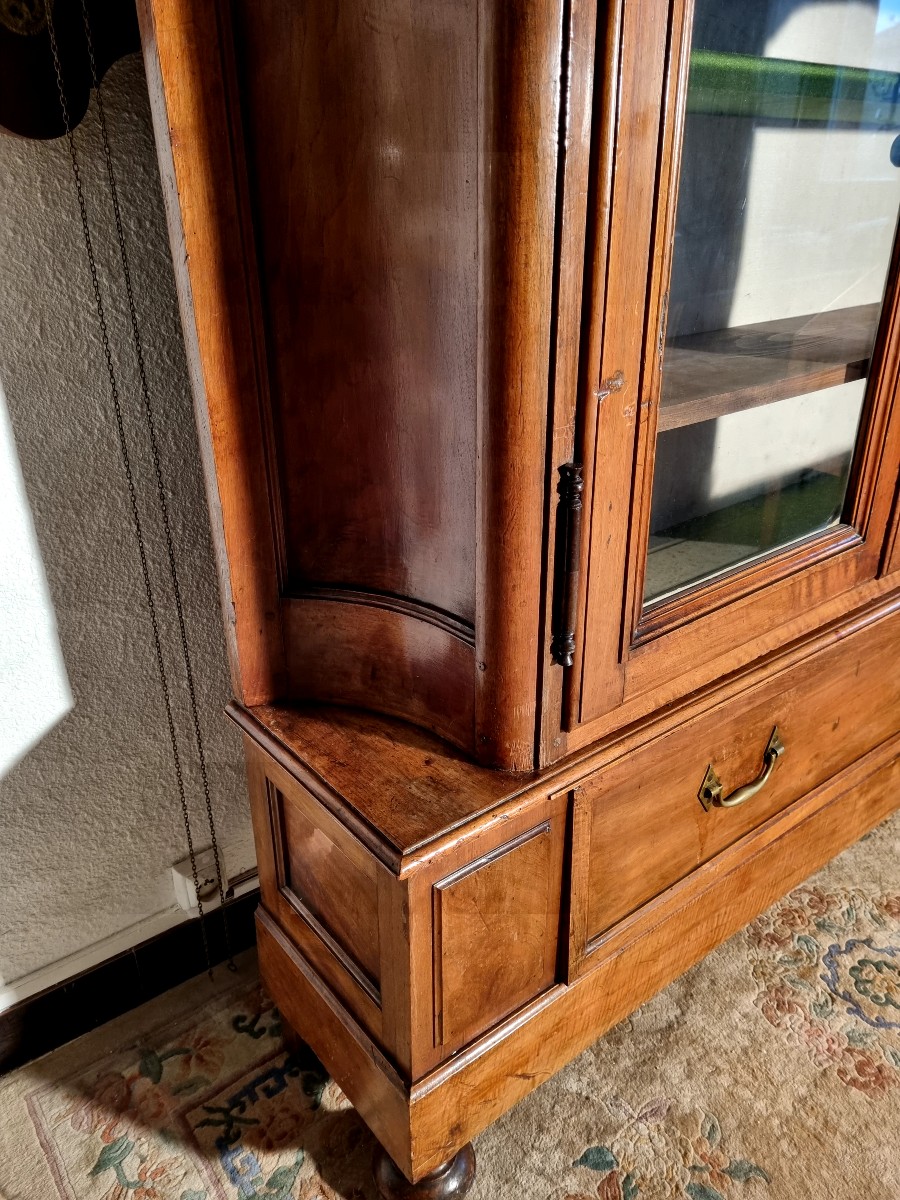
(710, 794)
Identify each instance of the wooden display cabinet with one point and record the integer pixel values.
(545, 355)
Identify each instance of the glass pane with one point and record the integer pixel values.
(786, 216)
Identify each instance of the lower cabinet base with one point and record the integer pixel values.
(425, 1119)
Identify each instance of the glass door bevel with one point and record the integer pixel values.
(765, 361)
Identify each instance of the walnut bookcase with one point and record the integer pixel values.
(425, 259)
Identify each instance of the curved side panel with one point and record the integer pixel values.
(382, 654)
(362, 144)
(201, 168)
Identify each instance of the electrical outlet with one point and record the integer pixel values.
(234, 886)
(183, 879)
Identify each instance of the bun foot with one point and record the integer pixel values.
(448, 1182)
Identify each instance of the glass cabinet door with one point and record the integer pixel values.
(786, 216)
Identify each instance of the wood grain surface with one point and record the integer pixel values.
(496, 929)
(405, 785)
(310, 908)
(395, 657)
(709, 375)
(647, 826)
(424, 1123)
(494, 1073)
(363, 175)
(521, 98)
(404, 791)
(199, 145)
(368, 200)
(625, 210)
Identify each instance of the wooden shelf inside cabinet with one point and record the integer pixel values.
(708, 375)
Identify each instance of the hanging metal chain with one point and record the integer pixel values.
(160, 487)
(129, 474)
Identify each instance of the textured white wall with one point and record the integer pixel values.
(89, 818)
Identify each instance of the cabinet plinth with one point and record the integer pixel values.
(444, 958)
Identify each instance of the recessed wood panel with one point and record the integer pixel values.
(361, 132)
(496, 925)
(324, 882)
(321, 886)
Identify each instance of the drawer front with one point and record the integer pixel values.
(640, 818)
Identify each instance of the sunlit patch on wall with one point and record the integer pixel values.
(34, 686)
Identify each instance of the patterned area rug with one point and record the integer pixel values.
(771, 1071)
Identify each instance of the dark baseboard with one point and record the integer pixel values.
(56, 1016)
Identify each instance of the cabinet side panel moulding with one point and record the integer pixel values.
(198, 140)
(320, 885)
(496, 923)
(519, 103)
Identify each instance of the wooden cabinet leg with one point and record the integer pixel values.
(449, 1181)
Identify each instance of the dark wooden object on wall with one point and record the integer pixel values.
(29, 96)
(423, 255)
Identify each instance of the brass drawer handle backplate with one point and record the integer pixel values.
(710, 794)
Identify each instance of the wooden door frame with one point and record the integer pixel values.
(628, 661)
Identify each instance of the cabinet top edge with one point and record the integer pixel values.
(398, 787)
(405, 792)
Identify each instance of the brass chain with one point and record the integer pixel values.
(160, 488)
(129, 478)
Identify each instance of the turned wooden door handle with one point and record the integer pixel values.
(710, 794)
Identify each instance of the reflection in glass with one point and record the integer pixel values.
(786, 216)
